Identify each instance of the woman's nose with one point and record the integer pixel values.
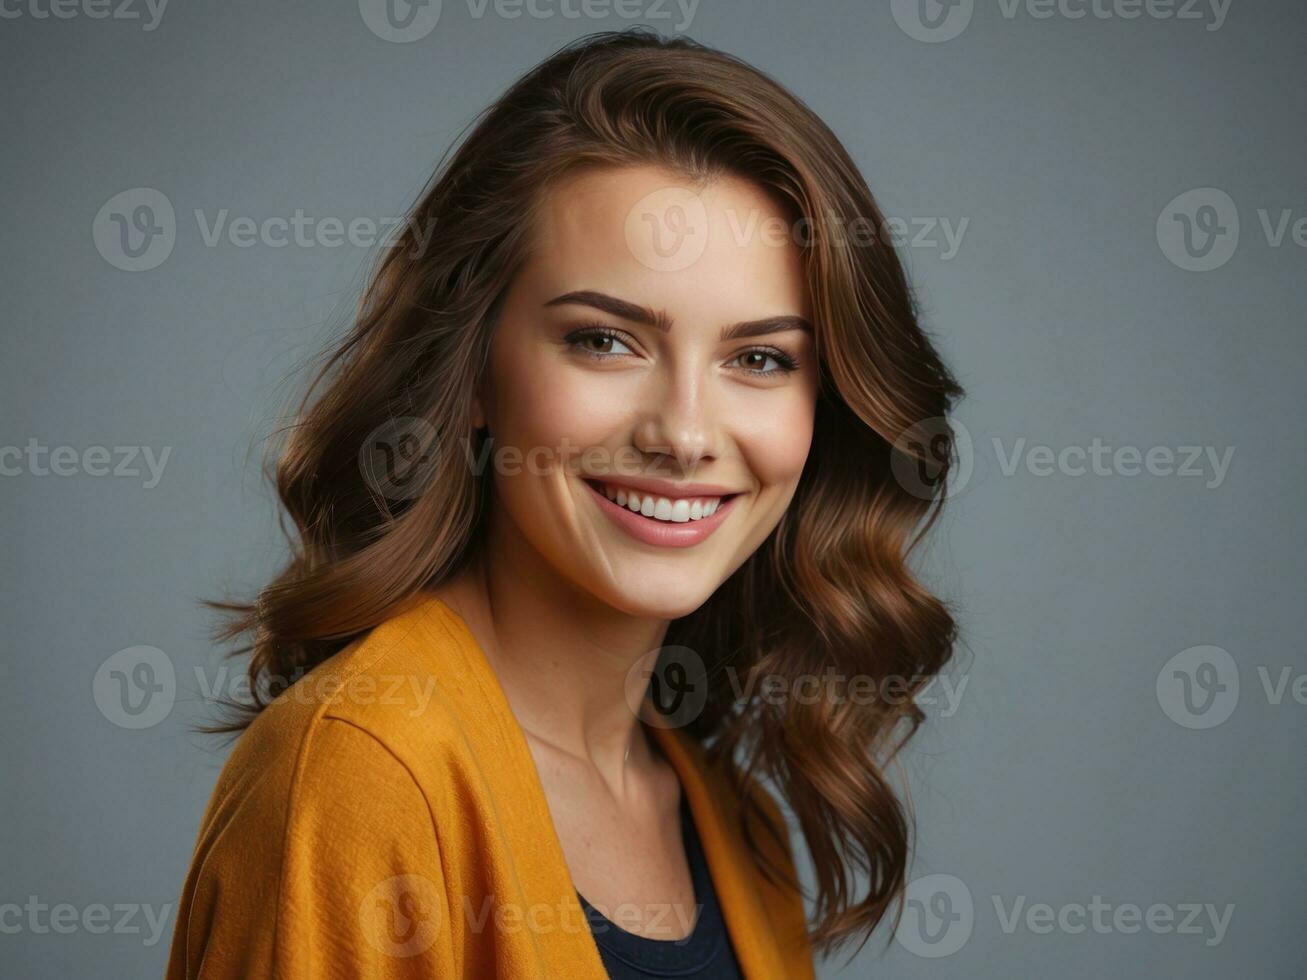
(678, 423)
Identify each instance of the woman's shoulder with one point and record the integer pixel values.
(391, 705)
(381, 682)
(330, 800)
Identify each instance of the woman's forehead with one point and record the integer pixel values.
(645, 234)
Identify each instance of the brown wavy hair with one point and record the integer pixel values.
(830, 589)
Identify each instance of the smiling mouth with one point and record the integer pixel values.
(660, 510)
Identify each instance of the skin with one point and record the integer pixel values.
(565, 604)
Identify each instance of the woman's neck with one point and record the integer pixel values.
(573, 669)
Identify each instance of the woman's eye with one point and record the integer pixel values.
(602, 343)
(597, 343)
(754, 361)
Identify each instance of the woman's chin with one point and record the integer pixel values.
(647, 598)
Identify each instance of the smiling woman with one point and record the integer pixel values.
(636, 287)
(706, 372)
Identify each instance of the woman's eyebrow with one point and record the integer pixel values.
(661, 321)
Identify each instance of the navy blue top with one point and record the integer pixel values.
(705, 954)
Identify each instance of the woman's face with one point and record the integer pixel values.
(655, 343)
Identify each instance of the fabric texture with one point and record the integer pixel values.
(383, 817)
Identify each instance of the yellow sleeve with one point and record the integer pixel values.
(328, 870)
(785, 906)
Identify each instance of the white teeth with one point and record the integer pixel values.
(677, 511)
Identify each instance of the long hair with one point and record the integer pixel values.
(828, 594)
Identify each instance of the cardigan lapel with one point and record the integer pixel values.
(527, 830)
(523, 836)
(729, 862)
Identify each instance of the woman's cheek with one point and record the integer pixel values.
(575, 410)
(567, 420)
(776, 442)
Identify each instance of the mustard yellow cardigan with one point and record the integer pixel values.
(384, 818)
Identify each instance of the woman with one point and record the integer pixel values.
(602, 481)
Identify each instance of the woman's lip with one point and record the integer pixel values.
(665, 534)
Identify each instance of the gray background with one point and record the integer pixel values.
(1062, 775)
